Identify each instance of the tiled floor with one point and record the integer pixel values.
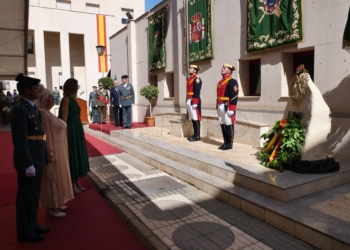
(182, 216)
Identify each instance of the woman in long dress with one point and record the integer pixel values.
(56, 187)
(70, 113)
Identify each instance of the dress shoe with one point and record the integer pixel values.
(62, 208)
(56, 215)
(103, 123)
(93, 122)
(31, 238)
(42, 230)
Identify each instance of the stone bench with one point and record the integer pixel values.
(247, 132)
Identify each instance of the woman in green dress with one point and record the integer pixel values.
(70, 113)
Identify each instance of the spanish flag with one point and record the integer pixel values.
(101, 40)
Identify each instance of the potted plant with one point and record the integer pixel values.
(150, 92)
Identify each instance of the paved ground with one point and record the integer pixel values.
(178, 214)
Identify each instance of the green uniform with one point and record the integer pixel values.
(127, 99)
(26, 121)
(56, 96)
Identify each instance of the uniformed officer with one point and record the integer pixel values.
(193, 101)
(101, 100)
(126, 100)
(56, 96)
(227, 97)
(93, 105)
(29, 156)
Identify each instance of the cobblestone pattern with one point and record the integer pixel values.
(187, 218)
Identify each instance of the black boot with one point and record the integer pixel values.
(229, 136)
(197, 130)
(223, 135)
(194, 131)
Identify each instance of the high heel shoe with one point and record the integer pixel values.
(80, 187)
(56, 215)
(76, 190)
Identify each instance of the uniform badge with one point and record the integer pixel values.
(198, 80)
(235, 88)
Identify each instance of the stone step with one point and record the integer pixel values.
(283, 187)
(286, 216)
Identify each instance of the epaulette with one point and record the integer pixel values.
(198, 80)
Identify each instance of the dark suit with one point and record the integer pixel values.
(117, 111)
(26, 121)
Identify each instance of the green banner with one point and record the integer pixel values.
(156, 41)
(346, 36)
(273, 23)
(200, 30)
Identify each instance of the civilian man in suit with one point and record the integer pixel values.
(29, 158)
(101, 100)
(93, 105)
(114, 99)
(127, 100)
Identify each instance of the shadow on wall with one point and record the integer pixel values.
(339, 103)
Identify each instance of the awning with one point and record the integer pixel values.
(13, 38)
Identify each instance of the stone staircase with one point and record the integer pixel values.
(282, 200)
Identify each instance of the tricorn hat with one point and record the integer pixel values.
(124, 76)
(100, 84)
(230, 66)
(195, 67)
(27, 80)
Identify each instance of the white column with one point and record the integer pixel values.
(65, 61)
(132, 67)
(40, 55)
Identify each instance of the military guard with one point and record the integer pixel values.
(29, 157)
(93, 105)
(101, 100)
(126, 100)
(227, 97)
(193, 101)
(56, 96)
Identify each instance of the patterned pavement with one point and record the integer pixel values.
(180, 215)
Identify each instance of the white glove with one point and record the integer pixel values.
(120, 105)
(230, 112)
(132, 105)
(96, 106)
(194, 106)
(30, 172)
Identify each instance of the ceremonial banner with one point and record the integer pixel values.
(273, 23)
(346, 36)
(199, 30)
(156, 41)
(101, 40)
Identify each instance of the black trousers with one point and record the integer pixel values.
(118, 115)
(27, 202)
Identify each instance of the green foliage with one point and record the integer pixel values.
(90, 113)
(108, 82)
(293, 137)
(149, 92)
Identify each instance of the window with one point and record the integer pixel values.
(34, 2)
(254, 77)
(306, 58)
(124, 15)
(93, 8)
(63, 5)
(30, 45)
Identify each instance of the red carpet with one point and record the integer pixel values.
(96, 147)
(90, 222)
(107, 128)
